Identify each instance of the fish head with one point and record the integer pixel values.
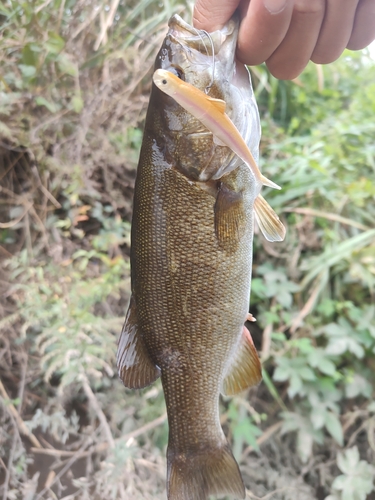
(206, 61)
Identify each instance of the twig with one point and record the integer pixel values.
(264, 437)
(107, 23)
(5, 251)
(11, 455)
(4, 173)
(104, 446)
(147, 427)
(10, 461)
(41, 7)
(266, 341)
(350, 418)
(102, 418)
(84, 25)
(44, 190)
(6, 225)
(355, 433)
(63, 470)
(20, 423)
(96, 406)
(269, 495)
(266, 337)
(61, 13)
(51, 119)
(307, 308)
(21, 389)
(327, 215)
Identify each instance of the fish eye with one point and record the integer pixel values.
(164, 82)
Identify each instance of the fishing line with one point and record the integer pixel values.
(208, 88)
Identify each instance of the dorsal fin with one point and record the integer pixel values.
(218, 103)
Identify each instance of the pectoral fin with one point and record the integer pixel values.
(268, 221)
(135, 368)
(230, 217)
(246, 370)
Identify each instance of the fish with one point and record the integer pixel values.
(191, 258)
(211, 113)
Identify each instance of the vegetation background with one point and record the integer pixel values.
(74, 84)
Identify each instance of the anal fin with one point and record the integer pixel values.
(246, 369)
(268, 221)
(134, 365)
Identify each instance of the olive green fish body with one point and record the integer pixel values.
(191, 269)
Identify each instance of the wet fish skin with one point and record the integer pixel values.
(191, 261)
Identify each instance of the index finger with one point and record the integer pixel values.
(211, 15)
(264, 24)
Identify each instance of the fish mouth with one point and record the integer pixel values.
(208, 43)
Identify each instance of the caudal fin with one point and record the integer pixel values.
(194, 476)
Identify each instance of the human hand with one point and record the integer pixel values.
(286, 34)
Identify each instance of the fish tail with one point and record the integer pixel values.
(195, 475)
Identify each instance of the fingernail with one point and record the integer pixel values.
(275, 6)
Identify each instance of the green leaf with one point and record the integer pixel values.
(281, 374)
(66, 65)
(347, 462)
(30, 54)
(54, 43)
(358, 385)
(27, 71)
(51, 106)
(77, 103)
(358, 478)
(318, 359)
(333, 426)
(245, 430)
(304, 445)
(318, 416)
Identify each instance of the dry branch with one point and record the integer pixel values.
(20, 423)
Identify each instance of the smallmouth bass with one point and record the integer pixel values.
(191, 258)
